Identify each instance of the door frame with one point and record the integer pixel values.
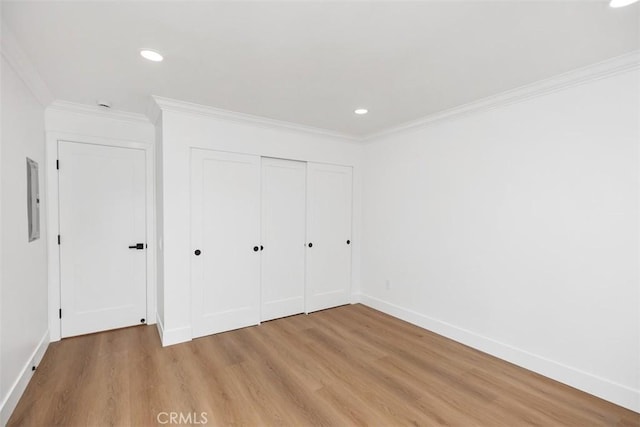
(53, 139)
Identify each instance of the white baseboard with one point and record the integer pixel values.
(592, 384)
(159, 326)
(19, 386)
(174, 335)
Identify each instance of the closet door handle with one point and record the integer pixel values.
(348, 242)
(255, 249)
(197, 252)
(261, 247)
(310, 245)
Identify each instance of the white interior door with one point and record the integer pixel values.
(102, 213)
(283, 237)
(328, 272)
(225, 236)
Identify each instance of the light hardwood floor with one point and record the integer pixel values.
(346, 366)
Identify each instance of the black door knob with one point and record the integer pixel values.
(255, 249)
(310, 245)
(197, 252)
(348, 242)
(261, 247)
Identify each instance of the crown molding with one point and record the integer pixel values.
(610, 67)
(167, 104)
(579, 76)
(153, 111)
(19, 61)
(94, 110)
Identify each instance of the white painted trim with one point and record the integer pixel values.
(601, 387)
(19, 61)
(176, 335)
(159, 326)
(636, 407)
(18, 387)
(217, 113)
(2, 422)
(589, 73)
(153, 112)
(53, 221)
(599, 70)
(94, 110)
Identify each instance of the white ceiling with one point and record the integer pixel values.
(312, 63)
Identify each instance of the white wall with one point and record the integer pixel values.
(516, 231)
(180, 131)
(93, 125)
(24, 333)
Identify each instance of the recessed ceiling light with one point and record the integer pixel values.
(621, 3)
(151, 55)
(361, 111)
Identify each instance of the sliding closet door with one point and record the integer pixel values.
(225, 237)
(328, 270)
(283, 237)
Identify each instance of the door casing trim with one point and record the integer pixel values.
(52, 214)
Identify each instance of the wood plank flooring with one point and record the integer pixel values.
(346, 366)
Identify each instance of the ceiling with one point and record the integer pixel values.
(313, 63)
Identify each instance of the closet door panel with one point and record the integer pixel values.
(225, 224)
(283, 237)
(329, 204)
